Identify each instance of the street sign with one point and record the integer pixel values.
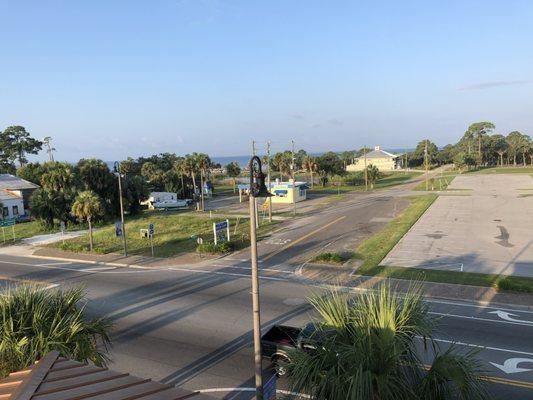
(118, 229)
(4, 223)
(221, 231)
(62, 226)
(151, 230)
(8, 222)
(269, 388)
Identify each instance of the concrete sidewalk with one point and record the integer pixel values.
(476, 294)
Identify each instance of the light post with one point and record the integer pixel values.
(257, 189)
(117, 172)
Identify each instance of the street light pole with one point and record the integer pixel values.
(268, 182)
(117, 169)
(366, 171)
(257, 189)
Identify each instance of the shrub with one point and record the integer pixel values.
(34, 322)
(510, 285)
(219, 248)
(333, 258)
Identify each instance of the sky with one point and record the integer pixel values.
(112, 79)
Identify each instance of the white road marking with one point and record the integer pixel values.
(479, 319)
(509, 317)
(510, 366)
(203, 271)
(477, 346)
(241, 389)
(101, 270)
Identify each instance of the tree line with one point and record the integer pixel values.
(479, 146)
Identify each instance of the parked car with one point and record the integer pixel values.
(280, 339)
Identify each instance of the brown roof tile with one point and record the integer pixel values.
(55, 378)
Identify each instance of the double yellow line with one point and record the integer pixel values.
(275, 253)
(503, 381)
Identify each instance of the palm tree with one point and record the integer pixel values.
(310, 166)
(373, 347)
(204, 163)
(44, 205)
(373, 174)
(191, 166)
(181, 170)
(87, 206)
(34, 321)
(347, 157)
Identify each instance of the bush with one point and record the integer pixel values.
(512, 286)
(354, 178)
(333, 258)
(34, 322)
(212, 248)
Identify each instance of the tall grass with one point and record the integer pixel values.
(34, 322)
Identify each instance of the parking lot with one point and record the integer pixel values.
(484, 224)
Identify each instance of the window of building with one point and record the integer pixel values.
(15, 210)
(5, 212)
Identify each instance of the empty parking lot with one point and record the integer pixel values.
(487, 226)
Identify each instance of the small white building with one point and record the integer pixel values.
(382, 159)
(15, 195)
(12, 205)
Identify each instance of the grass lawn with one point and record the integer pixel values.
(374, 249)
(504, 170)
(175, 233)
(439, 182)
(30, 229)
(389, 179)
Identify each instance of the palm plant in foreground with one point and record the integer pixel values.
(374, 347)
(34, 322)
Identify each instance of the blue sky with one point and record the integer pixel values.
(110, 79)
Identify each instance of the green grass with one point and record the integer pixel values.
(30, 229)
(175, 233)
(374, 249)
(337, 258)
(439, 182)
(504, 170)
(389, 179)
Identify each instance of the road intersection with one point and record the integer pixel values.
(190, 325)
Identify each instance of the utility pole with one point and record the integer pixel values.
(293, 170)
(256, 218)
(426, 163)
(117, 168)
(366, 172)
(268, 183)
(405, 166)
(257, 189)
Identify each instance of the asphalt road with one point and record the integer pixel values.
(191, 326)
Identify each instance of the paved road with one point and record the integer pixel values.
(191, 326)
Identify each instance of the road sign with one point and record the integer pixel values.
(269, 388)
(118, 229)
(151, 229)
(221, 231)
(8, 222)
(62, 226)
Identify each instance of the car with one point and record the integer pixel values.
(280, 339)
